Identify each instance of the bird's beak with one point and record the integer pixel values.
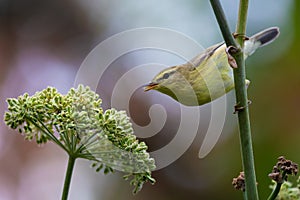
(150, 86)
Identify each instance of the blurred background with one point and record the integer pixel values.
(43, 43)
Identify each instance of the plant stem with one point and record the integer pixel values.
(242, 100)
(68, 177)
(221, 19)
(241, 22)
(241, 93)
(276, 191)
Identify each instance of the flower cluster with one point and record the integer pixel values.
(78, 124)
(239, 182)
(283, 168)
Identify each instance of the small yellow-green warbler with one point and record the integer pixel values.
(208, 76)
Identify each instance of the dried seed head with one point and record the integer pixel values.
(239, 182)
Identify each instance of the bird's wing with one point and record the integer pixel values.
(196, 61)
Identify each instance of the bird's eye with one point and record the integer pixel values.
(166, 75)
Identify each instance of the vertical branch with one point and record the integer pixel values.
(240, 90)
(242, 101)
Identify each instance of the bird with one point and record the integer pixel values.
(207, 76)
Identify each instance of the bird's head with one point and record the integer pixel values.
(174, 82)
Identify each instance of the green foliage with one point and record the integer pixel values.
(78, 124)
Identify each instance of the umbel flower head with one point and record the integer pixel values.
(78, 124)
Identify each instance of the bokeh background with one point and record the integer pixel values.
(43, 43)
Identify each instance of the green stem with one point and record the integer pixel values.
(241, 93)
(276, 191)
(45, 130)
(221, 19)
(242, 22)
(242, 100)
(69, 172)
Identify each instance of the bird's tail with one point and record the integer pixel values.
(260, 39)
